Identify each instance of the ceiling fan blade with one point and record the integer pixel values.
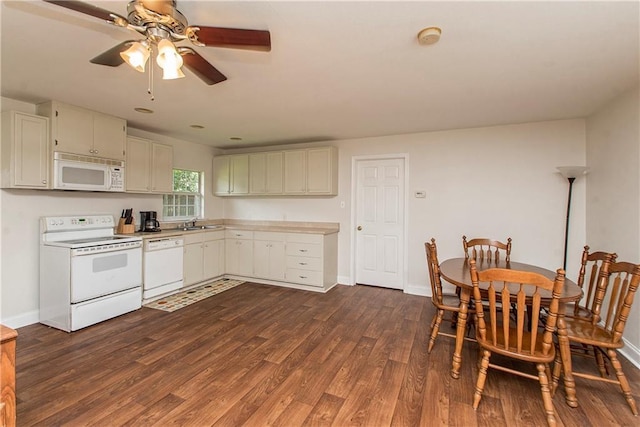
(89, 9)
(234, 38)
(200, 67)
(112, 57)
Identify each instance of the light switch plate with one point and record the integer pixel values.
(421, 194)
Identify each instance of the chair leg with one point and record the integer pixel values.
(602, 367)
(546, 393)
(624, 384)
(437, 319)
(557, 369)
(482, 376)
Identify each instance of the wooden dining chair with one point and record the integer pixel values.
(604, 329)
(496, 333)
(486, 249)
(594, 267)
(444, 303)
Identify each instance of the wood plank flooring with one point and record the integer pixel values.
(260, 355)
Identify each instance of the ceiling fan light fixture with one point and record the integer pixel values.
(136, 56)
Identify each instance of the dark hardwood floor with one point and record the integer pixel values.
(261, 355)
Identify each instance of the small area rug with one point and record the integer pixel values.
(185, 298)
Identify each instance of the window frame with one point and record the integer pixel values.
(174, 204)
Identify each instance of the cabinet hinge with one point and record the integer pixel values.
(56, 142)
(56, 113)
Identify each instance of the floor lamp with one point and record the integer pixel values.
(571, 173)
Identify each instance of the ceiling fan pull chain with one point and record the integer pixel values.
(150, 87)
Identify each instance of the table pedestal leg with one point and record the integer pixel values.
(460, 331)
(565, 354)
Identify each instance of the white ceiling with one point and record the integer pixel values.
(338, 70)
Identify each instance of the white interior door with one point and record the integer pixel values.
(380, 222)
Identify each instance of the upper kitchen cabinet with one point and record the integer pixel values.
(302, 172)
(311, 172)
(265, 173)
(77, 130)
(25, 150)
(231, 175)
(149, 166)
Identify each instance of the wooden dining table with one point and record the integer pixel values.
(457, 272)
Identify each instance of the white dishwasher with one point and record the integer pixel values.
(162, 271)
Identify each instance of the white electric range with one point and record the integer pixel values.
(87, 273)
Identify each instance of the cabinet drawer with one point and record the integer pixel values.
(193, 238)
(313, 278)
(238, 234)
(304, 238)
(269, 235)
(213, 235)
(304, 263)
(304, 249)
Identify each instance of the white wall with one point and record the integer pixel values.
(613, 195)
(494, 182)
(21, 210)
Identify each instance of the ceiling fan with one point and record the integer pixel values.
(161, 25)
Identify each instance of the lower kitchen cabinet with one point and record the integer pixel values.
(213, 254)
(203, 256)
(311, 259)
(269, 255)
(239, 252)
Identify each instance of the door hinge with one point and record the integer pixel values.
(56, 113)
(56, 142)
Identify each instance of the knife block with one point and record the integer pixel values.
(123, 228)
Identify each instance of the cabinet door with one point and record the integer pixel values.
(269, 260)
(213, 258)
(192, 263)
(25, 150)
(72, 129)
(221, 183)
(239, 257)
(319, 170)
(265, 173)
(239, 165)
(277, 261)
(261, 259)
(161, 168)
(138, 165)
(257, 173)
(295, 172)
(109, 136)
(274, 172)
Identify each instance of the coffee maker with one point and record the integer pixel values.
(149, 221)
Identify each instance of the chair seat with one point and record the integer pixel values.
(569, 311)
(536, 357)
(583, 331)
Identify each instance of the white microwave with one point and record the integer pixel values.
(74, 172)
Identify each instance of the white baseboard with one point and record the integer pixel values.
(21, 320)
(345, 280)
(631, 352)
(420, 290)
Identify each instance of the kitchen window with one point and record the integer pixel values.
(186, 201)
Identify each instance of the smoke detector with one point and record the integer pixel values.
(429, 35)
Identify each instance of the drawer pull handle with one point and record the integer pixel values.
(302, 277)
(303, 250)
(302, 263)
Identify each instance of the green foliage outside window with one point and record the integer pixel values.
(185, 181)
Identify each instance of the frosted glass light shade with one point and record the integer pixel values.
(136, 56)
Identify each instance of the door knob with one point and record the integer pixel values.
(359, 227)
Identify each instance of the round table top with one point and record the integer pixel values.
(457, 272)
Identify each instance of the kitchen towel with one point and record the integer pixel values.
(188, 297)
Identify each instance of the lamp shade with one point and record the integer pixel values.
(136, 56)
(572, 171)
(169, 60)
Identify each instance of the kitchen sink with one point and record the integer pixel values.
(202, 227)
